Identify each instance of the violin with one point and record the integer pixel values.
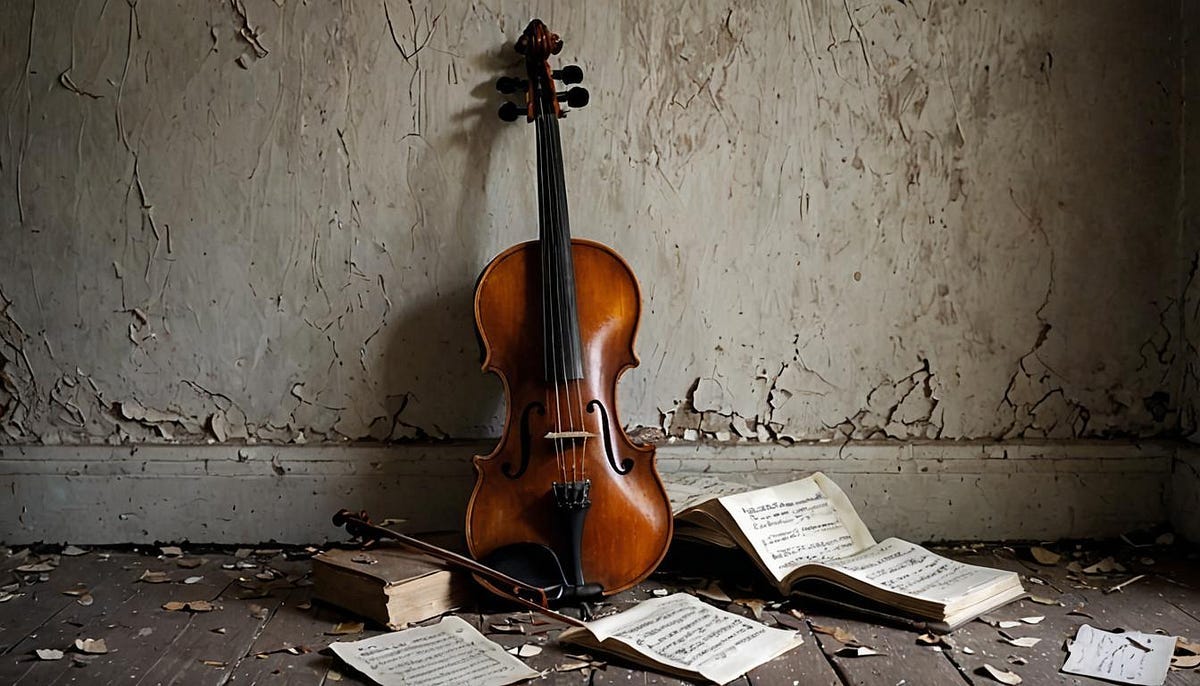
(557, 318)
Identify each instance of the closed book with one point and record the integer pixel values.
(389, 584)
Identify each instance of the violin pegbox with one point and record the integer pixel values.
(537, 44)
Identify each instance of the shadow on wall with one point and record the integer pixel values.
(436, 339)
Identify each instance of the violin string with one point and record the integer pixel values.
(556, 149)
(560, 302)
(547, 291)
(549, 123)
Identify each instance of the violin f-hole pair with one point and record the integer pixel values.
(557, 318)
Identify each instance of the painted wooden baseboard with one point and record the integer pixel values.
(938, 490)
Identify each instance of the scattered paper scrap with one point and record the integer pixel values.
(1002, 675)
(260, 612)
(1008, 624)
(1042, 600)
(574, 665)
(1185, 661)
(508, 628)
(153, 577)
(74, 551)
(37, 567)
(85, 600)
(76, 590)
(449, 652)
(1032, 620)
(193, 580)
(6, 596)
(1106, 566)
(713, 592)
(660, 592)
(1128, 658)
(1121, 586)
(1022, 642)
(968, 650)
(856, 651)
(755, 606)
(171, 551)
(212, 663)
(838, 633)
(527, 650)
(1017, 660)
(189, 606)
(345, 629)
(48, 654)
(1043, 556)
(189, 562)
(91, 646)
(936, 640)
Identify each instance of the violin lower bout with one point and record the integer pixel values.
(628, 525)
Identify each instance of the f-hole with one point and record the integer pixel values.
(626, 465)
(526, 439)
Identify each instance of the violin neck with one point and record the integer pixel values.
(563, 348)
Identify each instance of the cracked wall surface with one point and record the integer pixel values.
(1188, 257)
(262, 220)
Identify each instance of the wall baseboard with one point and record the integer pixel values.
(1184, 493)
(923, 491)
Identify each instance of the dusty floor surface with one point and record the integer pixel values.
(250, 620)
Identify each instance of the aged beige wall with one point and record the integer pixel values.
(870, 219)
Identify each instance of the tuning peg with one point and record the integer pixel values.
(509, 85)
(575, 97)
(568, 74)
(509, 111)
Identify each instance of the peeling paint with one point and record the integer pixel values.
(884, 220)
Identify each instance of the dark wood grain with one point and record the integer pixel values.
(171, 652)
(1141, 607)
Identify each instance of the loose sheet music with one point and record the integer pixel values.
(810, 520)
(1127, 658)
(689, 490)
(449, 653)
(683, 632)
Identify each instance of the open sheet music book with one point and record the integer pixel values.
(807, 539)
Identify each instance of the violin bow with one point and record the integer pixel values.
(359, 524)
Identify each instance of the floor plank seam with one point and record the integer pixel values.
(957, 667)
(837, 670)
(1184, 610)
(253, 639)
(166, 650)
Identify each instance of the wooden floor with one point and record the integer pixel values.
(263, 629)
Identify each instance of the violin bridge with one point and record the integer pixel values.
(555, 435)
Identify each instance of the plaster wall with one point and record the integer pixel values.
(262, 220)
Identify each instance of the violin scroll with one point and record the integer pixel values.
(537, 44)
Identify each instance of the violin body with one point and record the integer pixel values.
(629, 524)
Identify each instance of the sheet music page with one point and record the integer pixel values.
(908, 568)
(448, 653)
(684, 632)
(1129, 658)
(803, 521)
(689, 490)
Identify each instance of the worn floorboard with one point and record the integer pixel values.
(39, 602)
(272, 634)
(1141, 607)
